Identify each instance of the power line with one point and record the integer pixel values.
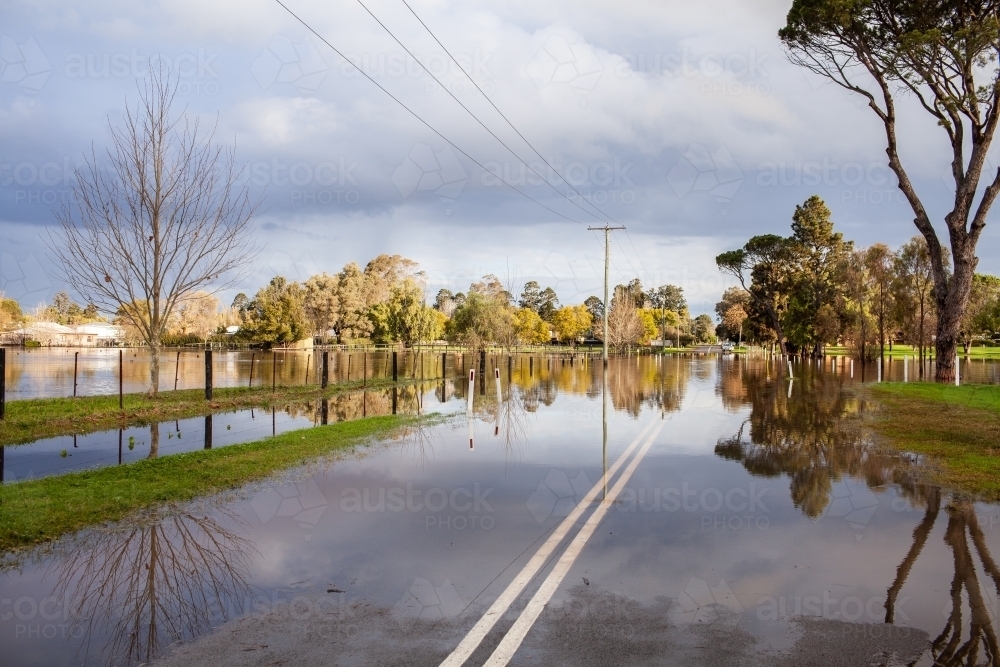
(607, 217)
(502, 115)
(476, 118)
(417, 116)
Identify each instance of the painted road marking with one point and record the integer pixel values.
(499, 607)
(512, 641)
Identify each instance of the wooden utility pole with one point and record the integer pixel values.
(607, 261)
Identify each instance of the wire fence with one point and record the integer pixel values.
(64, 372)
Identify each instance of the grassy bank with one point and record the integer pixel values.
(32, 419)
(37, 511)
(957, 428)
(900, 351)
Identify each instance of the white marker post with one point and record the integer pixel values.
(791, 376)
(906, 369)
(879, 374)
(852, 368)
(496, 426)
(958, 366)
(470, 392)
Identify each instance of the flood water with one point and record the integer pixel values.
(50, 372)
(752, 508)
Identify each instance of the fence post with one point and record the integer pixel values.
(395, 369)
(208, 375)
(208, 431)
(253, 357)
(444, 365)
(76, 363)
(177, 369)
(3, 381)
(274, 367)
(121, 379)
(326, 368)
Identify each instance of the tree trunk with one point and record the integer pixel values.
(951, 304)
(154, 368)
(154, 440)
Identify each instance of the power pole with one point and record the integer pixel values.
(607, 261)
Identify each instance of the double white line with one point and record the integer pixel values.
(510, 643)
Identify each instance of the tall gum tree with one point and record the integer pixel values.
(945, 55)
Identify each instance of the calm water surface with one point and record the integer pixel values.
(754, 504)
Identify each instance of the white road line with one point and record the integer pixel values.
(512, 641)
(499, 607)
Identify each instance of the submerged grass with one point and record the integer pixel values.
(37, 418)
(957, 428)
(37, 511)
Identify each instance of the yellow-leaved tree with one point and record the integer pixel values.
(572, 322)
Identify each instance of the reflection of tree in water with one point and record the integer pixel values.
(168, 579)
(804, 437)
(659, 384)
(948, 649)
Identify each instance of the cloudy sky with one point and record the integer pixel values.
(682, 121)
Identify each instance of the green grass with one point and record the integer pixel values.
(33, 419)
(38, 511)
(900, 351)
(957, 428)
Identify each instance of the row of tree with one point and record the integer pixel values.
(385, 303)
(815, 288)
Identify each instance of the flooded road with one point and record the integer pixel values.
(705, 510)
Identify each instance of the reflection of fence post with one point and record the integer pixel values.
(395, 369)
(364, 369)
(76, 363)
(274, 367)
(444, 365)
(326, 368)
(3, 381)
(208, 431)
(395, 398)
(208, 375)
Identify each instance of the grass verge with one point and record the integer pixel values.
(37, 418)
(42, 510)
(957, 428)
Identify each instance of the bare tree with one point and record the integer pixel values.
(624, 326)
(945, 56)
(161, 578)
(159, 218)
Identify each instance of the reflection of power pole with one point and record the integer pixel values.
(607, 260)
(604, 423)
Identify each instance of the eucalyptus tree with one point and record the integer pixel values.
(944, 56)
(762, 267)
